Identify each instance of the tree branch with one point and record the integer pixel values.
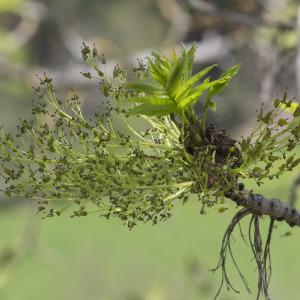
(259, 205)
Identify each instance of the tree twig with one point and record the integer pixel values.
(259, 205)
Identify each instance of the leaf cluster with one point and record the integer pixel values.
(147, 150)
(171, 87)
(92, 166)
(269, 150)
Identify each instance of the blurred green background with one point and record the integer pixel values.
(90, 258)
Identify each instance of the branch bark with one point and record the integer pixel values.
(259, 205)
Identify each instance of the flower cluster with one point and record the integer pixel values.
(146, 150)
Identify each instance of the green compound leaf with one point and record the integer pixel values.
(184, 89)
(172, 88)
(219, 84)
(159, 68)
(156, 100)
(195, 94)
(224, 79)
(146, 86)
(149, 109)
(181, 70)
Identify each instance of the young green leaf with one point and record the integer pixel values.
(146, 86)
(159, 68)
(176, 74)
(155, 100)
(195, 94)
(188, 85)
(190, 63)
(224, 79)
(153, 110)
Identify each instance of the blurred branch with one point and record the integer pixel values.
(178, 18)
(214, 48)
(210, 49)
(31, 14)
(235, 17)
(228, 16)
(269, 66)
(298, 54)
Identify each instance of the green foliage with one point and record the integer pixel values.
(171, 88)
(136, 171)
(268, 150)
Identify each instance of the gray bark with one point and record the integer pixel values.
(259, 205)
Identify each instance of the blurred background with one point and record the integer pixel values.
(90, 258)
